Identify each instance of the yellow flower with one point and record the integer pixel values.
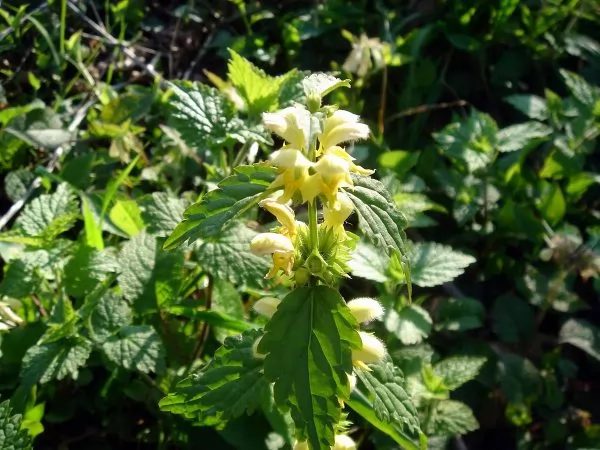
(372, 351)
(284, 215)
(341, 153)
(331, 174)
(266, 306)
(279, 246)
(293, 167)
(343, 442)
(342, 126)
(335, 215)
(292, 124)
(365, 309)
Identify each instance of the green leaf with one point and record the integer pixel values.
(260, 90)
(161, 213)
(459, 314)
(19, 280)
(50, 214)
(93, 231)
(144, 266)
(367, 262)
(55, 360)
(434, 264)
(522, 136)
(126, 215)
(457, 370)
(234, 196)
(17, 182)
(551, 203)
(582, 335)
(110, 314)
(136, 348)
(227, 300)
(451, 418)
(12, 434)
(532, 106)
(230, 385)
(87, 268)
(391, 403)
(398, 160)
(512, 319)
(229, 257)
(580, 89)
(308, 343)
(519, 379)
(321, 84)
(214, 318)
(411, 325)
(379, 219)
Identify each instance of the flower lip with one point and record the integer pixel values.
(269, 243)
(266, 306)
(290, 158)
(365, 309)
(372, 350)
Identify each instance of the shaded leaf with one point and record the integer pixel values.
(411, 325)
(162, 212)
(513, 319)
(434, 264)
(136, 348)
(459, 314)
(457, 370)
(451, 418)
(532, 106)
(582, 335)
(12, 434)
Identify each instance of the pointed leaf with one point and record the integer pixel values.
(12, 434)
(457, 370)
(136, 348)
(434, 264)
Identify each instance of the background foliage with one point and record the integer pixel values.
(485, 120)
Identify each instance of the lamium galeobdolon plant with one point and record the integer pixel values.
(311, 360)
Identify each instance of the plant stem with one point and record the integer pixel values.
(312, 224)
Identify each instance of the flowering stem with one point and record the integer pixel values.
(312, 224)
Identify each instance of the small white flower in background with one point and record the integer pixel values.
(266, 306)
(372, 351)
(8, 318)
(365, 309)
(344, 442)
(292, 124)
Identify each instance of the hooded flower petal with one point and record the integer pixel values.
(372, 351)
(266, 306)
(342, 126)
(269, 243)
(292, 124)
(334, 216)
(293, 167)
(284, 215)
(365, 309)
(343, 442)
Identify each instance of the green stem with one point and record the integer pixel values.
(312, 224)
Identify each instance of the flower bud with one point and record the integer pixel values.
(266, 306)
(269, 243)
(372, 350)
(344, 442)
(365, 309)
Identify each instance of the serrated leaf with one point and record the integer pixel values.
(229, 257)
(321, 84)
(391, 403)
(126, 215)
(519, 379)
(144, 266)
(433, 264)
(457, 370)
(227, 300)
(87, 268)
(580, 89)
(234, 195)
(55, 360)
(12, 434)
(522, 136)
(451, 418)
(411, 325)
(256, 87)
(110, 314)
(532, 106)
(512, 319)
(459, 314)
(379, 219)
(17, 182)
(136, 348)
(229, 386)
(49, 214)
(308, 344)
(19, 280)
(367, 262)
(582, 335)
(162, 212)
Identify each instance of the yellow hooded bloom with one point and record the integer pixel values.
(292, 124)
(279, 246)
(284, 215)
(335, 215)
(293, 171)
(372, 351)
(342, 126)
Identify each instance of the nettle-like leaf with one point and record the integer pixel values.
(368, 262)
(230, 385)
(146, 268)
(512, 319)
(259, 90)
(229, 257)
(457, 370)
(49, 215)
(519, 379)
(459, 314)
(582, 335)
(162, 212)
(434, 264)
(308, 343)
(379, 218)
(584, 92)
(87, 268)
(19, 280)
(321, 84)
(235, 195)
(522, 136)
(206, 118)
(109, 315)
(136, 348)
(12, 434)
(411, 325)
(55, 360)
(391, 403)
(451, 418)
(532, 106)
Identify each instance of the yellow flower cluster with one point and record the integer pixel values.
(310, 165)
